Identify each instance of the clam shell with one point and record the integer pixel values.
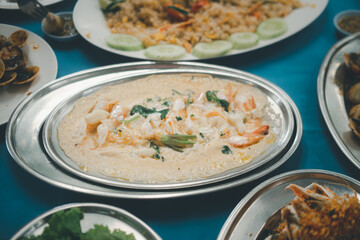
(2, 68)
(353, 94)
(354, 121)
(4, 42)
(12, 57)
(18, 38)
(7, 78)
(26, 75)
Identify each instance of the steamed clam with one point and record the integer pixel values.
(354, 121)
(352, 90)
(13, 67)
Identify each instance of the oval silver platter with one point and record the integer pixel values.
(331, 98)
(279, 111)
(25, 143)
(251, 213)
(94, 213)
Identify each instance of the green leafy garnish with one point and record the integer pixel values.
(226, 150)
(103, 232)
(201, 134)
(155, 146)
(176, 92)
(130, 120)
(180, 10)
(177, 141)
(113, 7)
(143, 111)
(166, 103)
(245, 120)
(178, 118)
(211, 97)
(65, 225)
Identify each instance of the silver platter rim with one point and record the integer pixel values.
(348, 145)
(245, 203)
(51, 145)
(102, 208)
(70, 182)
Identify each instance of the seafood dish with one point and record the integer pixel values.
(350, 81)
(13, 67)
(318, 213)
(180, 127)
(204, 28)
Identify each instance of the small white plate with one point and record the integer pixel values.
(90, 22)
(38, 53)
(8, 4)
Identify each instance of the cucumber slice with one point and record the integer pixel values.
(165, 52)
(124, 42)
(243, 40)
(211, 49)
(271, 28)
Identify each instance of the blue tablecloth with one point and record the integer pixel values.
(293, 64)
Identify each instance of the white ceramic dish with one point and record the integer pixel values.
(90, 23)
(8, 4)
(340, 15)
(38, 53)
(62, 38)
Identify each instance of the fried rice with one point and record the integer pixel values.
(187, 22)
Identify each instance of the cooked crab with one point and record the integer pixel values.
(318, 213)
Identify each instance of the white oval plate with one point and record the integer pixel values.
(90, 23)
(8, 4)
(38, 53)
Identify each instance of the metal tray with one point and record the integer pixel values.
(94, 213)
(25, 144)
(251, 213)
(331, 99)
(279, 108)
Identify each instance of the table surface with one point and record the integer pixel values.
(293, 64)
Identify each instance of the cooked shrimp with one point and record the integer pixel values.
(249, 138)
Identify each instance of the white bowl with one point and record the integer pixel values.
(61, 38)
(340, 15)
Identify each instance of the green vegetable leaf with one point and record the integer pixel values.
(113, 7)
(178, 118)
(143, 111)
(103, 232)
(180, 10)
(211, 97)
(155, 146)
(177, 141)
(226, 150)
(65, 225)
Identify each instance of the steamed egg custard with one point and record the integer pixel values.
(168, 128)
